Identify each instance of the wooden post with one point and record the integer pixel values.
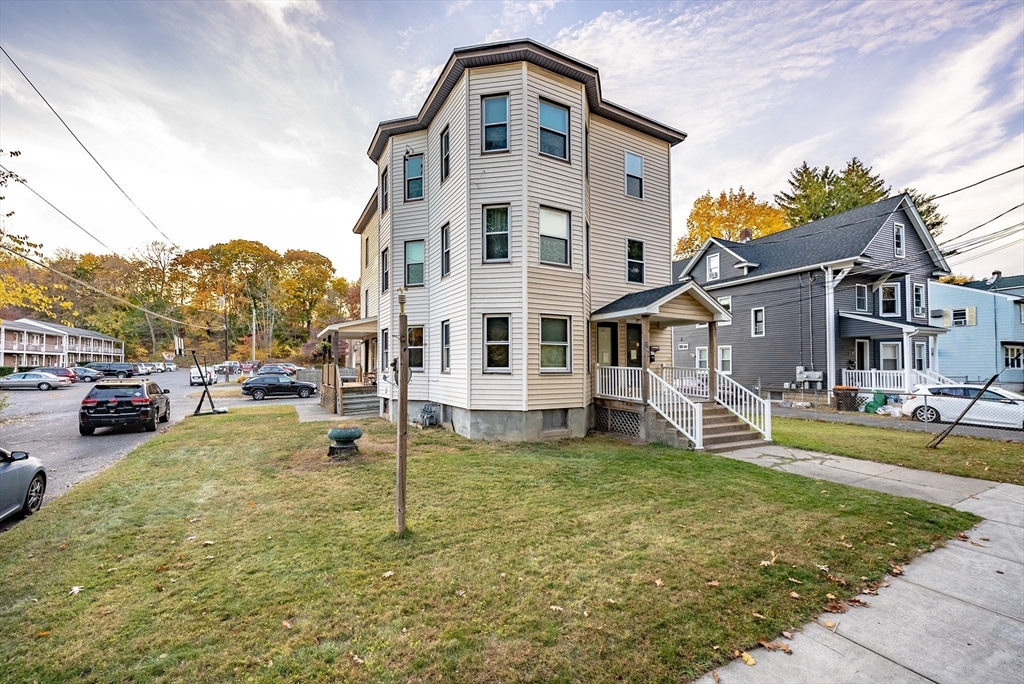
(337, 374)
(645, 343)
(403, 414)
(712, 360)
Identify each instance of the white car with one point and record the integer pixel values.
(34, 380)
(196, 378)
(944, 403)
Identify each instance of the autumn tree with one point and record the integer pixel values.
(728, 216)
(305, 281)
(816, 193)
(956, 279)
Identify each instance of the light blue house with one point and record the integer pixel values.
(986, 329)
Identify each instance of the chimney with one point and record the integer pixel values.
(745, 235)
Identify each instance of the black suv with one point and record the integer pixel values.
(263, 386)
(115, 370)
(135, 402)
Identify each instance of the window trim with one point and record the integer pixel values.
(446, 250)
(568, 238)
(385, 270)
(445, 141)
(568, 128)
(858, 289)
(446, 346)
(507, 233)
(881, 300)
(919, 311)
(385, 198)
(384, 353)
(626, 174)
(500, 370)
(1018, 358)
(727, 305)
(405, 256)
(899, 230)
(423, 357)
(366, 251)
(899, 355)
(718, 267)
(564, 370)
(720, 348)
(696, 358)
(923, 358)
(952, 317)
(753, 322)
(642, 262)
(507, 124)
(421, 178)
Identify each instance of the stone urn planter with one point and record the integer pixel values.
(344, 441)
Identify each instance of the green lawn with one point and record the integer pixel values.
(985, 459)
(586, 560)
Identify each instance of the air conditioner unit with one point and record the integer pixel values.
(935, 313)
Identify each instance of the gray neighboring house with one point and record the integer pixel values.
(845, 297)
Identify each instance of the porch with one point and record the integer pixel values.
(893, 380)
(701, 408)
(348, 376)
(889, 354)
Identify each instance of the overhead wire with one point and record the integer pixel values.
(984, 180)
(983, 224)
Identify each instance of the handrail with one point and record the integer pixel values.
(620, 382)
(685, 415)
(747, 406)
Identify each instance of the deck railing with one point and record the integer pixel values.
(620, 382)
(682, 413)
(893, 380)
(693, 382)
(746, 405)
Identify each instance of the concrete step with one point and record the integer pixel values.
(733, 446)
(722, 428)
(727, 437)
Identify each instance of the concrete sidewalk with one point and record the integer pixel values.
(955, 615)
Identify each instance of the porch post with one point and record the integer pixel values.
(908, 360)
(645, 343)
(712, 360)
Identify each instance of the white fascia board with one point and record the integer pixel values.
(926, 236)
(696, 257)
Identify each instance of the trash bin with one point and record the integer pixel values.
(846, 398)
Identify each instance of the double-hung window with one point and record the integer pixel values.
(446, 346)
(414, 263)
(757, 322)
(634, 261)
(385, 270)
(384, 190)
(384, 344)
(414, 177)
(554, 344)
(1013, 356)
(634, 175)
(497, 344)
(554, 130)
(554, 236)
(918, 299)
(862, 297)
(726, 303)
(415, 347)
(496, 234)
(890, 298)
(446, 157)
(712, 267)
(446, 250)
(495, 116)
(725, 359)
(701, 358)
(898, 240)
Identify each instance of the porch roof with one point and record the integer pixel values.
(351, 330)
(859, 325)
(678, 304)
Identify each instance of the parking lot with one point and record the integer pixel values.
(45, 424)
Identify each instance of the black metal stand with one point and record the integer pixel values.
(206, 391)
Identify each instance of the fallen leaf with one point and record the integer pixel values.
(252, 503)
(857, 602)
(460, 592)
(162, 568)
(793, 594)
(795, 581)
(611, 601)
(558, 609)
(962, 536)
(387, 574)
(770, 645)
(207, 557)
(119, 556)
(658, 583)
(159, 587)
(973, 543)
(192, 520)
(207, 543)
(586, 613)
(823, 568)
(787, 635)
(715, 676)
(766, 563)
(985, 539)
(286, 624)
(192, 538)
(830, 597)
(712, 583)
(829, 624)
(503, 575)
(74, 591)
(759, 616)
(40, 635)
(841, 581)
(747, 659)
(837, 607)
(784, 648)
(357, 660)
(896, 570)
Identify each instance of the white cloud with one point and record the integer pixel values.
(293, 18)
(518, 17)
(412, 87)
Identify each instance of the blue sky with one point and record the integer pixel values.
(252, 119)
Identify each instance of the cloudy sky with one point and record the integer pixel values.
(252, 119)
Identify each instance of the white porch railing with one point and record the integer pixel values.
(682, 413)
(746, 405)
(893, 380)
(620, 382)
(693, 382)
(930, 377)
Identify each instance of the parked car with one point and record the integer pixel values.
(87, 374)
(22, 483)
(59, 372)
(125, 402)
(944, 403)
(116, 370)
(263, 386)
(292, 367)
(141, 368)
(158, 366)
(274, 368)
(196, 378)
(168, 366)
(33, 380)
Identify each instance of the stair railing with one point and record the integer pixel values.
(683, 414)
(747, 406)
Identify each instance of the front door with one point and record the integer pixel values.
(863, 354)
(608, 344)
(634, 342)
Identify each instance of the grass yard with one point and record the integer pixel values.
(985, 459)
(587, 560)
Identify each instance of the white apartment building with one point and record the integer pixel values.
(30, 343)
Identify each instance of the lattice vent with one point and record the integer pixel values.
(612, 420)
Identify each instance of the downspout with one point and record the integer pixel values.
(830, 332)
(800, 313)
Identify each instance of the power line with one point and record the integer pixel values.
(86, 148)
(116, 298)
(25, 183)
(983, 224)
(966, 187)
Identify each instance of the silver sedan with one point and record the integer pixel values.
(33, 380)
(22, 483)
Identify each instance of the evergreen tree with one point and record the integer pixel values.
(816, 193)
(928, 208)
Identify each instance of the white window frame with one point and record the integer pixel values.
(626, 175)
(567, 238)
(488, 343)
(726, 303)
(721, 357)
(899, 355)
(446, 346)
(446, 250)
(713, 273)
(567, 344)
(753, 322)
(385, 270)
(1013, 356)
(899, 240)
(423, 263)
(484, 125)
(921, 356)
(540, 128)
(697, 360)
(421, 178)
(919, 311)
(507, 233)
(953, 319)
(642, 262)
(446, 153)
(384, 346)
(881, 300)
(422, 347)
(857, 297)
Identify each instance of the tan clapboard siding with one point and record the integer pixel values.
(384, 221)
(555, 290)
(495, 288)
(616, 216)
(686, 307)
(369, 269)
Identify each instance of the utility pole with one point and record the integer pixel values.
(403, 413)
(254, 333)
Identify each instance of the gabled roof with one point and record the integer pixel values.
(509, 52)
(678, 266)
(829, 240)
(1000, 283)
(649, 302)
(368, 211)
